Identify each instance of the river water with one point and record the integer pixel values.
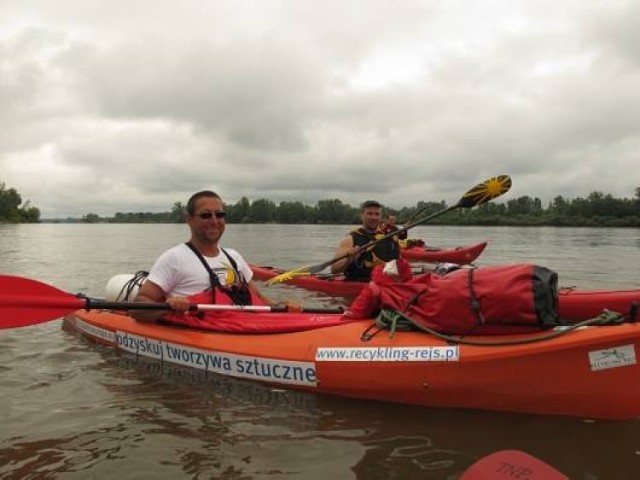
(72, 409)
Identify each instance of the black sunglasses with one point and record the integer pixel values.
(208, 215)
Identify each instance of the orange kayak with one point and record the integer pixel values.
(588, 372)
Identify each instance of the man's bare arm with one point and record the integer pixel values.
(149, 293)
(345, 247)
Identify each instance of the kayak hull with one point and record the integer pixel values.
(333, 284)
(590, 372)
(337, 285)
(460, 255)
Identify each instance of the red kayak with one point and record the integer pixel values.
(460, 255)
(575, 305)
(337, 285)
(334, 284)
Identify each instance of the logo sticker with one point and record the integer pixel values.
(612, 357)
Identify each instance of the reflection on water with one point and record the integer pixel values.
(73, 409)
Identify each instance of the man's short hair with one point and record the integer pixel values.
(191, 203)
(370, 203)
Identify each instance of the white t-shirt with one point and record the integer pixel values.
(178, 271)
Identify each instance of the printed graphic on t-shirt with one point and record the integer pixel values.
(226, 275)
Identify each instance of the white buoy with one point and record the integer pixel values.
(124, 287)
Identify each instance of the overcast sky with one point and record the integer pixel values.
(126, 106)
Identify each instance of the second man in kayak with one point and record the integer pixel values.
(357, 266)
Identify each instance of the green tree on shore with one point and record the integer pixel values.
(12, 210)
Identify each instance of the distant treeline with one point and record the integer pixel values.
(597, 209)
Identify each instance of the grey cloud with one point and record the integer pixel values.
(264, 102)
(251, 94)
(616, 32)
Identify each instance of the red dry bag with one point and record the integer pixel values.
(489, 300)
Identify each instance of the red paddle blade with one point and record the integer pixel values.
(25, 302)
(510, 464)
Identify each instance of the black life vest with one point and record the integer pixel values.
(384, 251)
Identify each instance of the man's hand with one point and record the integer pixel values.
(353, 254)
(179, 305)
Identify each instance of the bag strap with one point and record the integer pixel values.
(473, 298)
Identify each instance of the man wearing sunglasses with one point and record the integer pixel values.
(200, 264)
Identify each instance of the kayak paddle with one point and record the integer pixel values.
(510, 464)
(481, 193)
(26, 302)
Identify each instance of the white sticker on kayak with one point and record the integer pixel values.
(612, 357)
(388, 354)
(256, 368)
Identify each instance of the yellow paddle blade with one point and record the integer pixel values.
(485, 191)
(302, 271)
(290, 275)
